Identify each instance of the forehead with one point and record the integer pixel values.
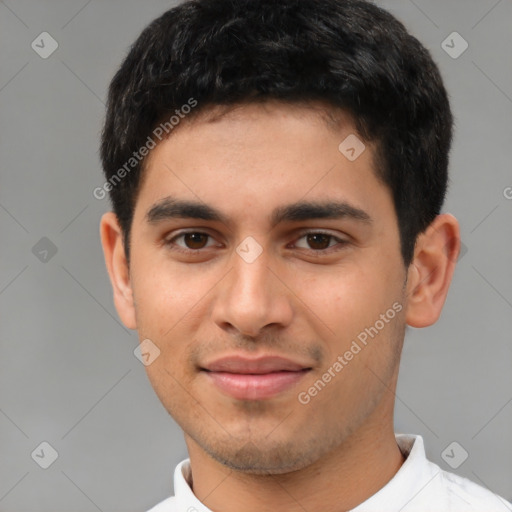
(228, 123)
(259, 154)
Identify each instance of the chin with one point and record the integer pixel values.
(251, 458)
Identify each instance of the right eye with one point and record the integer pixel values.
(193, 241)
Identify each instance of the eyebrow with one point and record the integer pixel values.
(171, 208)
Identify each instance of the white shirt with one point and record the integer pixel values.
(418, 486)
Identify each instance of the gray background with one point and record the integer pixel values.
(68, 374)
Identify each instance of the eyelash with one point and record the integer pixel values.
(341, 243)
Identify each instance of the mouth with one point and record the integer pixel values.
(254, 379)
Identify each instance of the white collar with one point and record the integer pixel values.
(414, 474)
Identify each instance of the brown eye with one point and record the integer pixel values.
(189, 242)
(318, 241)
(195, 240)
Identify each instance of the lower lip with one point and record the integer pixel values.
(255, 387)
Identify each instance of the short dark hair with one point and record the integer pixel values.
(349, 54)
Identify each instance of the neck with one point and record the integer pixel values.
(346, 477)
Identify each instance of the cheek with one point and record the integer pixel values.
(346, 302)
(164, 296)
(170, 306)
(342, 297)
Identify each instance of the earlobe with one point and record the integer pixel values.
(115, 259)
(430, 273)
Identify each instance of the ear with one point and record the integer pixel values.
(430, 273)
(118, 270)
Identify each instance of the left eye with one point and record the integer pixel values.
(319, 241)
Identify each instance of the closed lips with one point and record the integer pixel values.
(240, 365)
(262, 378)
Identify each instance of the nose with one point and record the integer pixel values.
(252, 298)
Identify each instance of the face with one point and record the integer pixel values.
(276, 298)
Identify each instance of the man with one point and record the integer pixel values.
(277, 172)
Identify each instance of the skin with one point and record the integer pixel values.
(301, 299)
